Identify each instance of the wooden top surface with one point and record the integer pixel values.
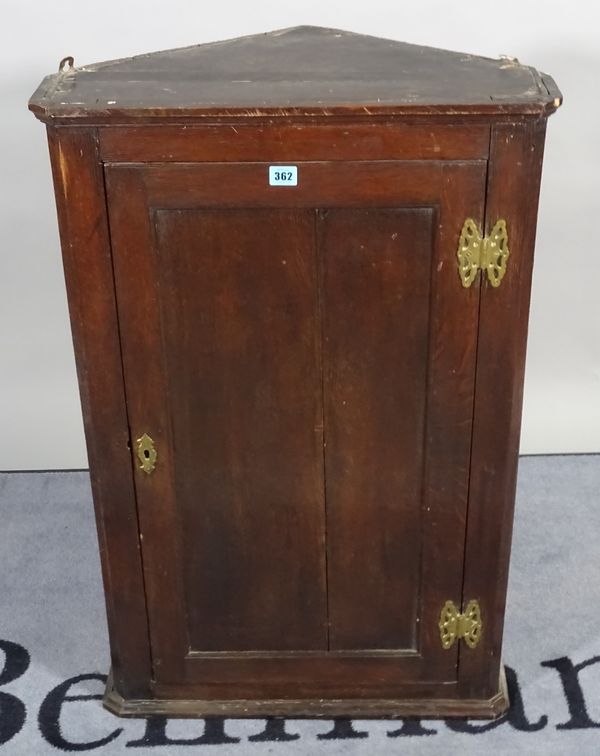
(302, 71)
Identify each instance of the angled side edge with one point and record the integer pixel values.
(81, 206)
(512, 193)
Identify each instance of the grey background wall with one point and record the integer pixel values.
(40, 418)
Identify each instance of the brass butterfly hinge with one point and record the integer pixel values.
(454, 625)
(487, 253)
(146, 453)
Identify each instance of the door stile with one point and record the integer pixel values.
(147, 394)
(452, 361)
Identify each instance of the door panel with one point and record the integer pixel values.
(237, 296)
(230, 294)
(376, 295)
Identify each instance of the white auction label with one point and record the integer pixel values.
(283, 175)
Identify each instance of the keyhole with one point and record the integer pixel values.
(146, 453)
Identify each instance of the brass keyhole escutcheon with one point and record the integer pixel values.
(146, 453)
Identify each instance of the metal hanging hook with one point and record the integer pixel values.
(66, 64)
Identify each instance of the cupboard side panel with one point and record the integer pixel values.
(81, 207)
(512, 194)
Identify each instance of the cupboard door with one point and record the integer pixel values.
(303, 358)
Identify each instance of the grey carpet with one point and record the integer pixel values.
(52, 629)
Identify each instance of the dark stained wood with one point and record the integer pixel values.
(237, 297)
(513, 190)
(80, 200)
(304, 71)
(292, 142)
(377, 274)
(336, 417)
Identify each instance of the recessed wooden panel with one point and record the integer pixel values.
(376, 295)
(237, 294)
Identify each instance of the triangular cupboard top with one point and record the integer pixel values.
(302, 71)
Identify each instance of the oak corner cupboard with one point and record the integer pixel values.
(298, 268)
